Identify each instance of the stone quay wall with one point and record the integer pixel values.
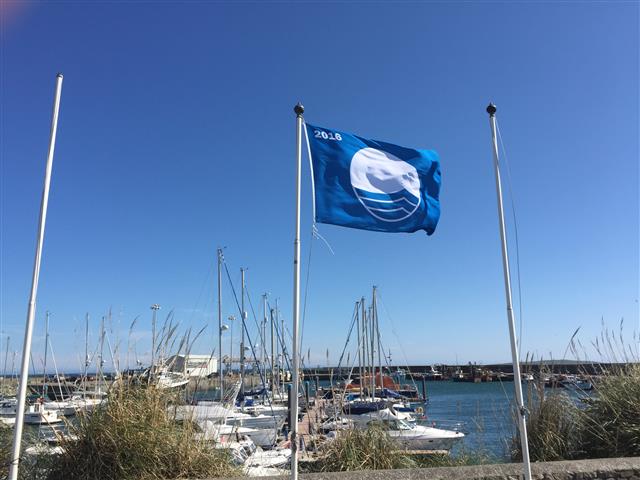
(604, 469)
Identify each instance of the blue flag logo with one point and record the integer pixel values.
(372, 185)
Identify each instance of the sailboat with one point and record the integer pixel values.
(37, 414)
(375, 399)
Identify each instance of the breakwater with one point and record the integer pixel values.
(470, 371)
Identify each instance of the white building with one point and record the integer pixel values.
(194, 365)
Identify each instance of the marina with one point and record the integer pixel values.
(253, 239)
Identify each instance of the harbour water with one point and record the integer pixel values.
(482, 411)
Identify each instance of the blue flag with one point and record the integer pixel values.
(372, 185)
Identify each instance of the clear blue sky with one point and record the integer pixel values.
(176, 135)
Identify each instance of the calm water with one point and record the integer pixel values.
(483, 409)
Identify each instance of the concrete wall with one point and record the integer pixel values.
(605, 469)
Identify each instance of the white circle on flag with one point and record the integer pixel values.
(389, 188)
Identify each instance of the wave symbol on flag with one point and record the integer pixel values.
(389, 188)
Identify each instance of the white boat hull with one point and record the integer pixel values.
(426, 438)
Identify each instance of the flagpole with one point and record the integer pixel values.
(299, 110)
(517, 379)
(31, 310)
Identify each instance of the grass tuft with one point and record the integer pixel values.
(134, 436)
(611, 418)
(370, 449)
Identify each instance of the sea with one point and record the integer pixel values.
(482, 411)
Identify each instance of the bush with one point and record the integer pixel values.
(134, 436)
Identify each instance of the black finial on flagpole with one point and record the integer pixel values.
(491, 109)
(299, 109)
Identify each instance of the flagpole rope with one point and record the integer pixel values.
(515, 230)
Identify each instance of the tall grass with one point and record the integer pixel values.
(602, 423)
(133, 436)
(553, 427)
(370, 449)
(32, 467)
(611, 419)
(6, 436)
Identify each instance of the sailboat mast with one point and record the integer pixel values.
(244, 316)
(155, 307)
(280, 352)
(365, 340)
(86, 349)
(375, 316)
(273, 351)
(373, 345)
(100, 377)
(358, 328)
(46, 350)
(264, 335)
(220, 368)
(282, 340)
(6, 356)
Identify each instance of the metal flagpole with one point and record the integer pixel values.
(517, 379)
(31, 310)
(220, 369)
(299, 110)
